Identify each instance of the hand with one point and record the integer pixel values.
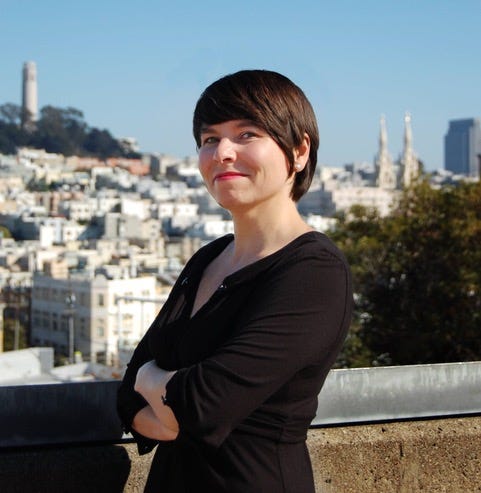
(151, 381)
(150, 384)
(147, 424)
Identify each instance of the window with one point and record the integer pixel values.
(101, 301)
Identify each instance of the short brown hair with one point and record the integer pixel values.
(271, 101)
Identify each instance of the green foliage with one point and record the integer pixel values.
(100, 142)
(9, 328)
(417, 278)
(58, 130)
(40, 185)
(5, 232)
(11, 113)
(11, 137)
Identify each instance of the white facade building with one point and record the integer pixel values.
(103, 315)
(210, 227)
(372, 197)
(77, 210)
(135, 206)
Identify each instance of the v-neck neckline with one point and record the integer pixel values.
(240, 275)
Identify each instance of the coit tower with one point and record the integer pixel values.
(29, 93)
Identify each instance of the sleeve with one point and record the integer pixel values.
(295, 317)
(130, 402)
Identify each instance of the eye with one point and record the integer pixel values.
(249, 134)
(209, 139)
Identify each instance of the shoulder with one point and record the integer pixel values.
(312, 261)
(314, 245)
(309, 261)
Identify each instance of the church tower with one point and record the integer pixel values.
(386, 177)
(29, 94)
(409, 161)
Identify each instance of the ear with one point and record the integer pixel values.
(301, 153)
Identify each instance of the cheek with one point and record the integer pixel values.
(203, 164)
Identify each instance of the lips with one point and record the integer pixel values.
(228, 175)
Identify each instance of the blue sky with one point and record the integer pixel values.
(137, 67)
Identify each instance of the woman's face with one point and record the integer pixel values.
(242, 166)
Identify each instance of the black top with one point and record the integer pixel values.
(251, 363)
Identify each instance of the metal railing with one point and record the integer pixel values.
(67, 413)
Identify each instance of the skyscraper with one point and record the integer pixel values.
(29, 94)
(462, 145)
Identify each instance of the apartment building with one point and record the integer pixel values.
(92, 314)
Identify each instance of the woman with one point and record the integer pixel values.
(225, 381)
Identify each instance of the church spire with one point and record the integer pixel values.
(409, 160)
(386, 173)
(382, 135)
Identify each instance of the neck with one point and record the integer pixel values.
(263, 230)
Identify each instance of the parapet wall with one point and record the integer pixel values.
(428, 456)
(57, 438)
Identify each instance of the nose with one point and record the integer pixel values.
(224, 151)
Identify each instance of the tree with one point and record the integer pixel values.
(417, 277)
(4, 232)
(11, 113)
(12, 135)
(60, 130)
(102, 144)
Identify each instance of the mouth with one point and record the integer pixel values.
(228, 175)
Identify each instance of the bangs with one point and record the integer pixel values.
(218, 108)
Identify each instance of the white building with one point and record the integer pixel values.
(181, 214)
(77, 210)
(321, 223)
(354, 184)
(105, 201)
(210, 227)
(381, 199)
(93, 315)
(133, 205)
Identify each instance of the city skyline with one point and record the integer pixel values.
(137, 69)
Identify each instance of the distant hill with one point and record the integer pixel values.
(59, 130)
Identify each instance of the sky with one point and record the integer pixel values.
(137, 67)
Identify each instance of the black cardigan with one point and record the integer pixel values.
(250, 362)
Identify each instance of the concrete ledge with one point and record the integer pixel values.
(431, 456)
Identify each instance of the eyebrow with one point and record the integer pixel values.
(205, 128)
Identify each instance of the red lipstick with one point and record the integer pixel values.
(228, 175)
